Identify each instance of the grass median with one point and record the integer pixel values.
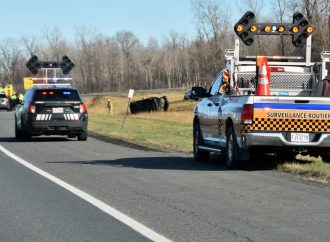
(168, 131)
(172, 130)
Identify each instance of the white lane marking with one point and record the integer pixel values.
(135, 225)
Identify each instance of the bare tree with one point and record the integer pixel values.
(280, 11)
(127, 41)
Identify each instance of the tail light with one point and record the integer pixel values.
(83, 108)
(32, 108)
(247, 114)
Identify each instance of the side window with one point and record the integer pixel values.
(216, 85)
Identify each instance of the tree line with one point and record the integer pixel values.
(120, 62)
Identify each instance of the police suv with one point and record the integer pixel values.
(51, 110)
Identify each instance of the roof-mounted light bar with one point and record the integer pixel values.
(273, 57)
(46, 81)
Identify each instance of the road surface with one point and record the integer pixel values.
(173, 195)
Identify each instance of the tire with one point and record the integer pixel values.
(231, 149)
(25, 136)
(82, 136)
(18, 133)
(199, 155)
(325, 156)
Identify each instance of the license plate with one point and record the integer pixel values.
(300, 137)
(57, 110)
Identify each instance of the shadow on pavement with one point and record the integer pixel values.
(38, 139)
(176, 163)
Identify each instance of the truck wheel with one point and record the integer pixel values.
(82, 136)
(231, 149)
(325, 156)
(199, 155)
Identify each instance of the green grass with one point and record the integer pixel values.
(309, 167)
(157, 134)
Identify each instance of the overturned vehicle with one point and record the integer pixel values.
(151, 104)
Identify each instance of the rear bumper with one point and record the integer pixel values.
(56, 128)
(281, 140)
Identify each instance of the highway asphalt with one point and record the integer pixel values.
(171, 194)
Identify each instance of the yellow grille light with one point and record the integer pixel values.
(281, 29)
(310, 29)
(239, 28)
(295, 29)
(268, 28)
(253, 28)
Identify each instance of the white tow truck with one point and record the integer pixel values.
(294, 118)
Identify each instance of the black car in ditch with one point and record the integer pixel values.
(51, 110)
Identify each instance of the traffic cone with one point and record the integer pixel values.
(263, 88)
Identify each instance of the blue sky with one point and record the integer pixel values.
(145, 18)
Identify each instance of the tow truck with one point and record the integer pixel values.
(293, 118)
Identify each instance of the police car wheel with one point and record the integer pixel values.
(18, 133)
(82, 136)
(25, 135)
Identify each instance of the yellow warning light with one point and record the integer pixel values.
(268, 28)
(253, 28)
(281, 29)
(310, 29)
(239, 28)
(295, 29)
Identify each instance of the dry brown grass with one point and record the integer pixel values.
(179, 110)
(311, 168)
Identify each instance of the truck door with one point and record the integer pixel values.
(211, 113)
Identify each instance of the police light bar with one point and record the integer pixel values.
(300, 29)
(46, 81)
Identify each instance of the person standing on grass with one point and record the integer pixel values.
(110, 107)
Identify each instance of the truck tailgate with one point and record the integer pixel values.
(295, 114)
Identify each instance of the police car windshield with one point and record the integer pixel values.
(56, 95)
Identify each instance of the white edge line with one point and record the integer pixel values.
(135, 225)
